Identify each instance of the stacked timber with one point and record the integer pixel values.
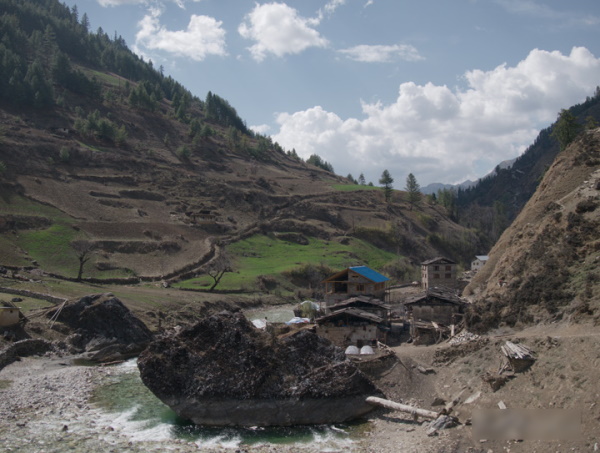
(519, 356)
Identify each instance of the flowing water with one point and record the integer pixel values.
(135, 412)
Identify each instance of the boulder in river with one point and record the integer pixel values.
(224, 372)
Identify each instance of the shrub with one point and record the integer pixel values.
(183, 152)
(64, 155)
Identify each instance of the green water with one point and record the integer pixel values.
(137, 412)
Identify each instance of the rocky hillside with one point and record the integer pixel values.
(546, 264)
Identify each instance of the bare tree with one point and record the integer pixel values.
(218, 267)
(84, 250)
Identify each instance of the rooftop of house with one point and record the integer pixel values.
(438, 260)
(360, 300)
(350, 312)
(443, 294)
(482, 257)
(364, 271)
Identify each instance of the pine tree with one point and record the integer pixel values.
(566, 128)
(386, 181)
(413, 190)
(361, 180)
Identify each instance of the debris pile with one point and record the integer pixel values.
(519, 356)
(225, 372)
(463, 337)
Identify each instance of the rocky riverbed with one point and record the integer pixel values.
(48, 404)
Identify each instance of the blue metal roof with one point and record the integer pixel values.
(369, 273)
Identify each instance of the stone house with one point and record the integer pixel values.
(350, 326)
(438, 272)
(433, 314)
(354, 281)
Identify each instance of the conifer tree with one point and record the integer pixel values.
(413, 190)
(566, 128)
(386, 181)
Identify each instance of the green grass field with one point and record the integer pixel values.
(268, 256)
(51, 248)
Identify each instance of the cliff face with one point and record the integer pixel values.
(545, 265)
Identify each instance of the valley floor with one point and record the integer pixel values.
(45, 401)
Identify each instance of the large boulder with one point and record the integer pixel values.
(103, 327)
(224, 372)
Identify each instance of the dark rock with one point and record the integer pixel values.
(23, 348)
(437, 401)
(104, 325)
(442, 422)
(222, 371)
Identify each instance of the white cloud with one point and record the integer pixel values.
(328, 9)
(203, 36)
(277, 29)
(442, 134)
(260, 129)
(382, 54)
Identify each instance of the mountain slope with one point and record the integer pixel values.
(102, 150)
(545, 265)
(495, 201)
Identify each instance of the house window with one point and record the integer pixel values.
(448, 268)
(436, 268)
(448, 275)
(360, 287)
(436, 275)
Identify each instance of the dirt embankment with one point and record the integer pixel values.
(545, 265)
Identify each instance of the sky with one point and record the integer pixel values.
(443, 89)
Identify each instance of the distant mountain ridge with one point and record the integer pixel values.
(435, 186)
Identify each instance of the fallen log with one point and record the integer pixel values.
(415, 411)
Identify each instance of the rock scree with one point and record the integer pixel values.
(224, 372)
(103, 327)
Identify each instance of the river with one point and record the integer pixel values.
(136, 413)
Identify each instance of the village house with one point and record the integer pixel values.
(438, 272)
(9, 316)
(354, 281)
(433, 314)
(203, 217)
(479, 262)
(366, 304)
(350, 326)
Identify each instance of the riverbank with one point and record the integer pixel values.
(47, 405)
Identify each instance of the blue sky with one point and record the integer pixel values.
(443, 89)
